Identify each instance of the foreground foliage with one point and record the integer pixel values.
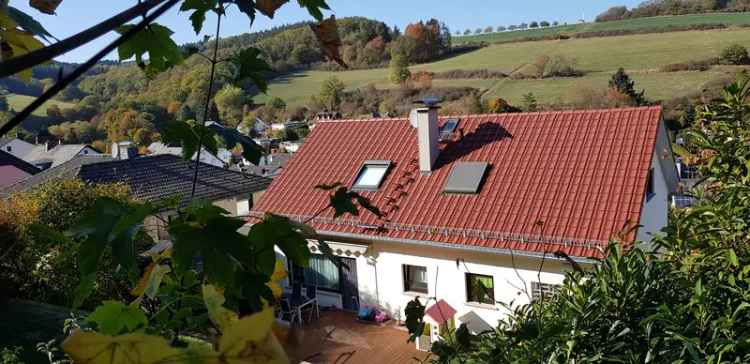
(686, 302)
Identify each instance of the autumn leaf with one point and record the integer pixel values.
(328, 34)
(279, 273)
(14, 43)
(214, 300)
(95, 348)
(45, 6)
(151, 280)
(269, 7)
(250, 340)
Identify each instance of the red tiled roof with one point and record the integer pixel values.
(440, 312)
(558, 181)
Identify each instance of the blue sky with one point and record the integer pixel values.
(75, 15)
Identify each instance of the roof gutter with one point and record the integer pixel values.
(479, 249)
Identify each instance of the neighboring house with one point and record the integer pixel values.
(14, 169)
(475, 206)
(259, 127)
(43, 156)
(159, 148)
(16, 147)
(291, 146)
(270, 165)
(153, 178)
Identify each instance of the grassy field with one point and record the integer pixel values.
(18, 102)
(631, 24)
(642, 55)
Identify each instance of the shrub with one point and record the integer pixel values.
(463, 74)
(734, 54)
(34, 264)
(561, 66)
(11, 355)
(689, 66)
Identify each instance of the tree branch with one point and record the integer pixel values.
(67, 80)
(37, 57)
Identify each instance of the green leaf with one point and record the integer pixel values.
(187, 136)
(733, 258)
(313, 7)
(250, 66)
(279, 230)
(156, 40)
(200, 8)
(28, 23)
(115, 318)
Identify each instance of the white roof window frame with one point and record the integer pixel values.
(383, 165)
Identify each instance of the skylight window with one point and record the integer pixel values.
(465, 177)
(446, 131)
(371, 175)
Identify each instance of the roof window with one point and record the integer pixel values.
(371, 175)
(465, 177)
(446, 131)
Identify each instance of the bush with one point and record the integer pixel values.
(463, 74)
(11, 355)
(561, 66)
(735, 54)
(689, 66)
(34, 264)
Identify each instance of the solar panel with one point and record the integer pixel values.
(465, 177)
(446, 131)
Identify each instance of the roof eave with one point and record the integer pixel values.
(509, 252)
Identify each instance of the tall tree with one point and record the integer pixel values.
(399, 69)
(331, 92)
(621, 82)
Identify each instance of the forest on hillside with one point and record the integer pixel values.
(652, 8)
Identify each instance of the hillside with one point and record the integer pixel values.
(18, 102)
(656, 23)
(641, 55)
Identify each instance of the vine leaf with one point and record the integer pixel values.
(115, 318)
(269, 7)
(95, 348)
(200, 8)
(279, 273)
(151, 280)
(245, 6)
(250, 340)
(45, 6)
(157, 42)
(251, 66)
(328, 35)
(109, 223)
(188, 137)
(214, 300)
(313, 7)
(29, 24)
(280, 231)
(14, 43)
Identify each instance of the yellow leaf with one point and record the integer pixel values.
(269, 7)
(94, 348)
(279, 273)
(141, 286)
(214, 301)
(249, 340)
(15, 43)
(45, 6)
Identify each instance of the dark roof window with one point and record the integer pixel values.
(465, 177)
(446, 131)
(371, 175)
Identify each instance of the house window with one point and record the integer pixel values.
(415, 278)
(371, 175)
(322, 273)
(480, 289)
(540, 291)
(650, 184)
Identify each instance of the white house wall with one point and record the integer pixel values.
(655, 207)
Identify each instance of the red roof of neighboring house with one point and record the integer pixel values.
(558, 181)
(440, 312)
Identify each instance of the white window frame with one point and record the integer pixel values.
(386, 165)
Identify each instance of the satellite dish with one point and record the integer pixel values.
(429, 101)
(413, 118)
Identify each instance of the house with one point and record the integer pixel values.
(44, 156)
(475, 207)
(158, 148)
(15, 146)
(291, 146)
(258, 128)
(154, 178)
(14, 169)
(270, 165)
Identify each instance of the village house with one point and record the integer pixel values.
(155, 178)
(478, 209)
(13, 169)
(45, 155)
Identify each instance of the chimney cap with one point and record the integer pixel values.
(429, 101)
